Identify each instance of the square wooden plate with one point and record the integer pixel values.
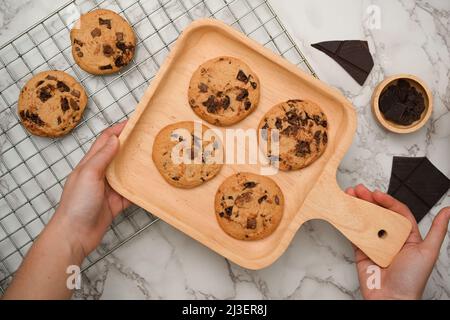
(309, 193)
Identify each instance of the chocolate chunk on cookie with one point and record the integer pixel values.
(102, 42)
(249, 206)
(223, 91)
(51, 104)
(183, 157)
(302, 133)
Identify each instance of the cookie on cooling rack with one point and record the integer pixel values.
(102, 42)
(51, 104)
(302, 133)
(249, 206)
(223, 91)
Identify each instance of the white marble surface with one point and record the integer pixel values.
(414, 37)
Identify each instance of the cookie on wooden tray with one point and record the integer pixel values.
(184, 158)
(223, 91)
(51, 104)
(302, 132)
(249, 206)
(102, 42)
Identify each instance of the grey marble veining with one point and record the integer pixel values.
(162, 263)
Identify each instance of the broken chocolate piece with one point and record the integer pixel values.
(45, 93)
(203, 87)
(64, 104)
(242, 95)
(241, 76)
(33, 117)
(59, 120)
(78, 42)
(249, 185)
(119, 36)
(247, 105)
(302, 148)
(97, 32)
(119, 62)
(76, 93)
(210, 104)
(225, 103)
(278, 123)
(213, 103)
(352, 55)
(290, 130)
(107, 67)
(123, 47)
(253, 84)
(263, 198)
(62, 86)
(73, 104)
(401, 103)
(417, 183)
(108, 51)
(39, 83)
(104, 22)
(80, 54)
(229, 210)
(317, 137)
(243, 198)
(277, 200)
(251, 223)
(36, 119)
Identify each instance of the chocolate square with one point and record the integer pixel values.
(352, 55)
(417, 183)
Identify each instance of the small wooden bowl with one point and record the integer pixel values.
(420, 86)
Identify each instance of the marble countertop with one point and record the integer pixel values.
(410, 37)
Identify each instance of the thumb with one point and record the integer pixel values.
(438, 231)
(100, 161)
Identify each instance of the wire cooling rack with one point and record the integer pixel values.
(33, 169)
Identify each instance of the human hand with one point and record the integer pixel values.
(88, 204)
(407, 275)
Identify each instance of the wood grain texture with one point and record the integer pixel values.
(309, 193)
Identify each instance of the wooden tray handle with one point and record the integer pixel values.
(378, 232)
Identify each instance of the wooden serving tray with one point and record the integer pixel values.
(310, 193)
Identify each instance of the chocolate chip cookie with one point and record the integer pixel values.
(51, 104)
(249, 206)
(302, 133)
(187, 154)
(102, 42)
(223, 91)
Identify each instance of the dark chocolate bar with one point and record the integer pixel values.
(352, 55)
(417, 183)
